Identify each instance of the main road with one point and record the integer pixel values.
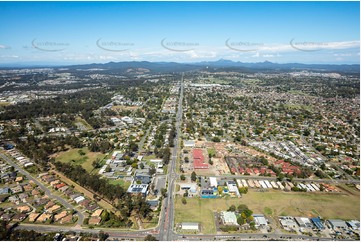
(167, 216)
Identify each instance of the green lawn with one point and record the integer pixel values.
(72, 156)
(298, 107)
(305, 204)
(149, 157)
(82, 121)
(121, 182)
(275, 203)
(4, 103)
(199, 210)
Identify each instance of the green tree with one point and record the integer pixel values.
(81, 152)
(150, 238)
(163, 192)
(241, 220)
(232, 208)
(243, 190)
(184, 200)
(182, 177)
(193, 176)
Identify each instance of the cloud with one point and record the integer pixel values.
(3, 47)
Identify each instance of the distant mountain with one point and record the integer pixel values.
(267, 65)
(219, 65)
(151, 66)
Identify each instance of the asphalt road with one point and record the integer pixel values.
(45, 189)
(167, 216)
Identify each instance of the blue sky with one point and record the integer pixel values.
(87, 32)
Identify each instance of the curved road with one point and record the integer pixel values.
(45, 189)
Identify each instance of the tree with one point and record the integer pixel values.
(193, 176)
(243, 190)
(182, 177)
(150, 238)
(164, 192)
(141, 165)
(216, 139)
(81, 152)
(232, 208)
(184, 200)
(186, 159)
(280, 177)
(152, 170)
(96, 163)
(241, 220)
(247, 213)
(210, 161)
(103, 236)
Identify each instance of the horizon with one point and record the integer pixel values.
(49, 65)
(72, 33)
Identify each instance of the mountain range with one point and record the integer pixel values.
(218, 66)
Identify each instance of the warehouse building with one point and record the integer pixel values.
(190, 226)
(337, 224)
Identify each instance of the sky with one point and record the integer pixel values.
(100, 32)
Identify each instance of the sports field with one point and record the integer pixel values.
(275, 203)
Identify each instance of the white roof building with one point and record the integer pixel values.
(229, 218)
(260, 220)
(190, 226)
(189, 143)
(213, 182)
(79, 199)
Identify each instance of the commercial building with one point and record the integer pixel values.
(138, 188)
(232, 188)
(198, 160)
(213, 182)
(189, 143)
(228, 218)
(190, 226)
(318, 223)
(260, 221)
(288, 223)
(304, 222)
(337, 224)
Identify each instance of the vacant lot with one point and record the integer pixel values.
(304, 204)
(121, 182)
(75, 157)
(122, 107)
(274, 203)
(83, 123)
(4, 103)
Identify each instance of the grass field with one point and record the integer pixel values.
(4, 103)
(72, 156)
(82, 121)
(122, 107)
(213, 80)
(273, 203)
(298, 107)
(121, 182)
